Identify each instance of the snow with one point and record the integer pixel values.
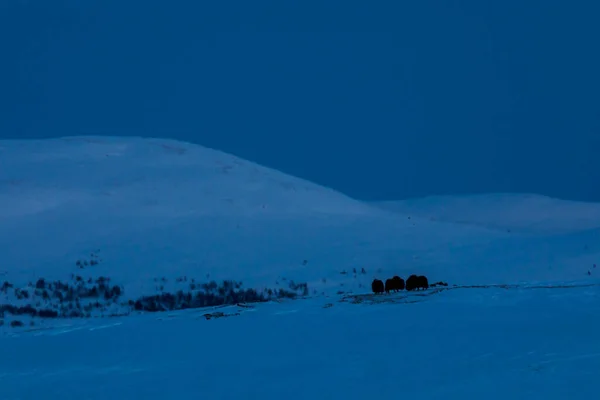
(154, 208)
(467, 343)
(526, 213)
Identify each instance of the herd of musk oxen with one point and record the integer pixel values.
(414, 282)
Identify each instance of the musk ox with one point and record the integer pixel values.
(394, 284)
(398, 283)
(411, 282)
(389, 285)
(423, 282)
(377, 286)
(417, 282)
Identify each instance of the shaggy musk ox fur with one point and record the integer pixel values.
(394, 284)
(417, 282)
(377, 286)
(398, 283)
(389, 285)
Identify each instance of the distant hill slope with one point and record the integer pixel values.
(518, 212)
(148, 209)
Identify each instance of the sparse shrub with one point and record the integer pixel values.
(14, 310)
(282, 293)
(303, 287)
(21, 294)
(212, 294)
(5, 286)
(47, 314)
(116, 291)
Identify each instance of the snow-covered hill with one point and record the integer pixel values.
(90, 227)
(154, 208)
(152, 215)
(526, 213)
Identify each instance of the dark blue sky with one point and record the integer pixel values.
(380, 100)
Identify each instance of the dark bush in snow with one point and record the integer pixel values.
(296, 287)
(14, 310)
(21, 294)
(5, 286)
(82, 296)
(16, 323)
(377, 286)
(212, 294)
(47, 314)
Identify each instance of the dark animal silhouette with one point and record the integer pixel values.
(398, 283)
(415, 282)
(423, 283)
(389, 285)
(377, 286)
(394, 284)
(411, 282)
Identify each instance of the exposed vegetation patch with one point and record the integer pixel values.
(94, 259)
(219, 314)
(99, 297)
(212, 294)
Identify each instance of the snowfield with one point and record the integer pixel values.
(518, 319)
(524, 213)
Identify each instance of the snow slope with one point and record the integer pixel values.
(527, 213)
(149, 209)
(155, 208)
(460, 344)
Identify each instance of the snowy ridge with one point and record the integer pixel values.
(526, 213)
(159, 213)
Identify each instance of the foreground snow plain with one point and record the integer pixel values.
(490, 343)
(154, 208)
